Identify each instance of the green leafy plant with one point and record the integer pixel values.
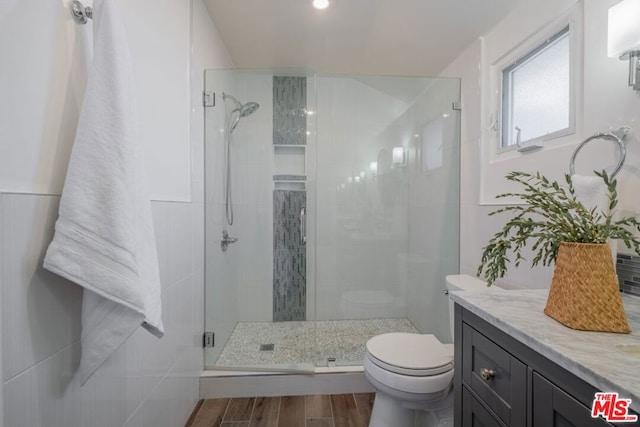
(552, 215)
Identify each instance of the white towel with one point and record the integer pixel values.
(104, 239)
(592, 192)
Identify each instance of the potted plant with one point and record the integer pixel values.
(584, 291)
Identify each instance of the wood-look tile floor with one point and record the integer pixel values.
(335, 410)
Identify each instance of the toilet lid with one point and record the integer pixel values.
(410, 354)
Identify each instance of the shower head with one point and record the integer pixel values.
(243, 110)
(248, 109)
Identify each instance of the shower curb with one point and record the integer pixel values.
(218, 385)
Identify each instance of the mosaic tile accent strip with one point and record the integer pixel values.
(296, 342)
(289, 110)
(289, 257)
(628, 270)
(289, 177)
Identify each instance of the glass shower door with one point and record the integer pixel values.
(387, 200)
(258, 150)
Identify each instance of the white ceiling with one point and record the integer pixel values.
(386, 37)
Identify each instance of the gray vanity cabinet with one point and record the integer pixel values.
(498, 381)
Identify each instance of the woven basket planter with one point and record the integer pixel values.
(584, 291)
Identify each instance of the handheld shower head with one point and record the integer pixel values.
(248, 109)
(243, 110)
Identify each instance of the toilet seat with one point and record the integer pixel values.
(415, 355)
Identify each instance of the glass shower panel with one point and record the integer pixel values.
(386, 187)
(256, 182)
(433, 208)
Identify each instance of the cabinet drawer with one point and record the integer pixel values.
(497, 378)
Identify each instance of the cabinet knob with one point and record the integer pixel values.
(487, 374)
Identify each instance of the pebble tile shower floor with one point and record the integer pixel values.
(296, 342)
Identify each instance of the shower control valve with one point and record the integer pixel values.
(226, 240)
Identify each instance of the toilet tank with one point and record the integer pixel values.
(464, 282)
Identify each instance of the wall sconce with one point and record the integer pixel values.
(398, 156)
(373, 168)
(624, 37)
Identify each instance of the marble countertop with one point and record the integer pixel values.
(596, 357)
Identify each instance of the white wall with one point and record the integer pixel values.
(148, 381)
(252, 163)
(45, 56)
(607, 104)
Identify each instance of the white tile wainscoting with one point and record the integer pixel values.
(146, 382)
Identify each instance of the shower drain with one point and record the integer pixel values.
(266, 347)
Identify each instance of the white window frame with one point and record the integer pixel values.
(522, 53)
(506, 88)
(499, 49)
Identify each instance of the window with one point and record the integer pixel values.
(537, 94)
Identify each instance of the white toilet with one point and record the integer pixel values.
(413, 373)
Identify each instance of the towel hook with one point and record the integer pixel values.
(617, 136)
(79, 12)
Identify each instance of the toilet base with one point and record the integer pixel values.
(389, 411)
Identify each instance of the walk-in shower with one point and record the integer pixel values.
(346, 197)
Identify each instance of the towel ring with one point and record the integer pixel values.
(609, 136)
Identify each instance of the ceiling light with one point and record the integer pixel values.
(320, 4)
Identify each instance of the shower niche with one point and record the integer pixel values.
(337, 241)
(289, 198)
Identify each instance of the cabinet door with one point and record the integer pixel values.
(552, 407)
(504, 389)
(474, 414)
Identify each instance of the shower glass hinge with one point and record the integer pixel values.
(456, 105)
(208, 339)
(208, 98)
